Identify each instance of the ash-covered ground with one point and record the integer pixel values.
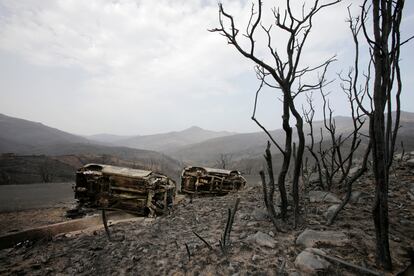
(159, 246)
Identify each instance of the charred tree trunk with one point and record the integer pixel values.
(287, 153)
(298, 161)
(385, 45)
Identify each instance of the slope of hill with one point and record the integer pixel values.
(251, 145)
(115, 155)
(107, 138)
(25, 169)
(39, 143)
(171, 140)
(18, 134)
(34, 169)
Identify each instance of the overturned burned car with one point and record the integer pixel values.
(136, 191)
(202, 180)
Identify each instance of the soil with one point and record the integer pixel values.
(17, 221)
(167, 245)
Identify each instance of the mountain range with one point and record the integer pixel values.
(168, 152)
(161, 142)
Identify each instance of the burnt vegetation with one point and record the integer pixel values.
(373, 95)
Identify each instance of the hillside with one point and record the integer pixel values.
(107, 138)
(29, 147)
(18, 135)
(164, 141)
(26, 169)
(249, 146)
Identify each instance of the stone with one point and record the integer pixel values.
(310, 263)
(405, 222)
(322, 196)
(255, 257)
(410, 162)
(278, 200)
(242, 216)
(312, 238)
(330, 212)
(353, 171)
(314, 178)
(398, 156)
(357, 197)
(262, 239)
(260, 214)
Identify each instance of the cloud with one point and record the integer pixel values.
(147, 65)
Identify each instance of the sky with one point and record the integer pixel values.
(132, 67)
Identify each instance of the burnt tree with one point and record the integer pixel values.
(385, 43)
(285, 73)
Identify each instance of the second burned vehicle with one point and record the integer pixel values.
(202, 180)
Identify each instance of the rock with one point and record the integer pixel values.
(321, 196)
(410, 162)
(314, 178)
(396, 239)
(357, 197)
(260, 214)
(255, 257)
(278, 200)
(243, 216)
(262, 239)
(331, 210)
(405, 222)
(397, 156)
(412, 188)
(311, 238)
(353, 170)
(231, 268)
(310, 263)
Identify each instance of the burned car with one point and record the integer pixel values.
(202, 180)
(135, 191)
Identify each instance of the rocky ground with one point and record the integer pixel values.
(17, 221)
(168, 246)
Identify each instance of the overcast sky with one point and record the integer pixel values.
(144, 66)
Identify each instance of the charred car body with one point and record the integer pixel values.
(202, 180)
(136, 191)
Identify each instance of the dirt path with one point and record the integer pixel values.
(158, 246)
(34, 196)
(31, 205)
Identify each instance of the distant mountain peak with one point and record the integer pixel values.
(193, 128)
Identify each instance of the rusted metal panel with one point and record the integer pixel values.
(136, 191)
(202, 180)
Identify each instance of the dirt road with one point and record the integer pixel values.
(34, 196)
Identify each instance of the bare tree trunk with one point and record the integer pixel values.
(269, 189)
(287, 153)
(298, 162)
(349, 183)
(385, 45)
